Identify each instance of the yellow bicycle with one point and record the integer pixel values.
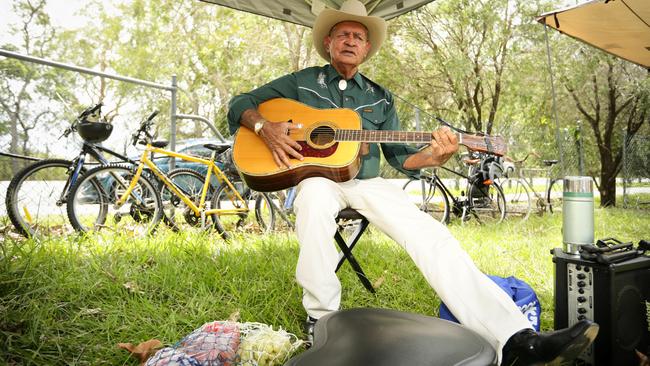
(134, 199)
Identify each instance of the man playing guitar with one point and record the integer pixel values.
(346, 39)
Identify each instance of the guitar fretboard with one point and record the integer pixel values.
(381, 136)
(491, 144)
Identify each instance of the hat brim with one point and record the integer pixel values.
(328, 18)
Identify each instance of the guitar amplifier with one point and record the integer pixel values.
(614, 296)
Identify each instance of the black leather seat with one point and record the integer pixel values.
(381, 337)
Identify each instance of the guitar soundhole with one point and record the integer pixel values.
(322, 135)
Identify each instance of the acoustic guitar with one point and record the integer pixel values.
(331, 141)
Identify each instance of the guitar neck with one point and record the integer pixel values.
(491, 144)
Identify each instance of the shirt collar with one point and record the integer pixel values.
(332, 75)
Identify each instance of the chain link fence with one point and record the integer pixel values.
(636, 171)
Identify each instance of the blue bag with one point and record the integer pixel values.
(520, 292)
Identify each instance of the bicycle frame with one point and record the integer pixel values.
(199, 210)
(544, 198)
(447, 191)
(78, 162)
(460, 206)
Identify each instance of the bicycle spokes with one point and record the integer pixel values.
(93, 205)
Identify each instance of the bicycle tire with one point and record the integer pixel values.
(554, 195)
(433, 199)
(518, 201)
(284, 207)
(264, 212)
(222, 199)
(35, 202)
(176, 214)
(487, 203)
(91, 203)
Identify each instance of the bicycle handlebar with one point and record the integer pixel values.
(144, 129)
(91, 110)
(520, 162)
(152, 115)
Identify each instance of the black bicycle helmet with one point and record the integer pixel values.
(94, 132)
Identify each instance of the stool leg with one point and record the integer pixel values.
(346, 250)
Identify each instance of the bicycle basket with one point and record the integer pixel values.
(94, 132)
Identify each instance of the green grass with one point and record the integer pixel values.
(69, 301)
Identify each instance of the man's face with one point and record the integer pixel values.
(348, 43)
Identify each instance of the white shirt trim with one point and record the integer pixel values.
(322, 97)
(370, 105)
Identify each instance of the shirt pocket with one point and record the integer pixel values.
(372, 118)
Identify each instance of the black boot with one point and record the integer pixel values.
(308, 328)
(528, 347)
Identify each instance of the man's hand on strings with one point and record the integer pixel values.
(276, 135)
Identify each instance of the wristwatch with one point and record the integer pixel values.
(258, 126)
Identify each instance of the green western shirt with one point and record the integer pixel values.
(318, 87)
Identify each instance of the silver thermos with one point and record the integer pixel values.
(577, 213)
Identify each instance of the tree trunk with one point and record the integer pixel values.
(607, 186)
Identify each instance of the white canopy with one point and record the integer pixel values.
(304, 11)
(620, 27)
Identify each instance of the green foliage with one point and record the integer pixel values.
(25, 88)
(479, 65)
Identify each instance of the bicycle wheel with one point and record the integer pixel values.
(518, 200)
(554, 195)
(487, 203)
(264, 211)
(177, 214)
(36, 198)
(92, 202)
(429, 197)
(283, 208)
(225, 199)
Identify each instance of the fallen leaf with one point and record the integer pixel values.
(234, 317)
(380, 280)
(133, 287)
(86, 311)
(142, 351)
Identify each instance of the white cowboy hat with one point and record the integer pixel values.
(352, 11)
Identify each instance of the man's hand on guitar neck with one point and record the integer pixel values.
(444, 144)
(276, 137)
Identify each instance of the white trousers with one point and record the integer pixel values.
(473, 298)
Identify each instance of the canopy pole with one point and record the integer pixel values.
(557, 122)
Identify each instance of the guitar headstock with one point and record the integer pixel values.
(495, 145)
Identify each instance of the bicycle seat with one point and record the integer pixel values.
(160, 143)
(549, 162)
(218, 148)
